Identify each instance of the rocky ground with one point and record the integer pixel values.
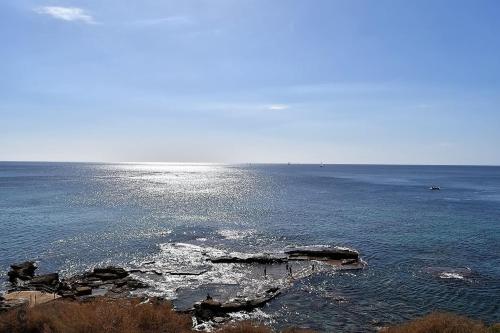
(116, 282)
(101, 281)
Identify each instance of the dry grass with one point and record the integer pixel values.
(443, 323)
(129, 316)
(99, 315)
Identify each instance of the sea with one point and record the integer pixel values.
(425, 250)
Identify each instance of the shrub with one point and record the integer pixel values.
(442, 323)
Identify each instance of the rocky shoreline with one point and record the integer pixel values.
(117, 282)
(113, 282)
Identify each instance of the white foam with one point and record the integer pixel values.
(190, 258)
(256, 314)
(182, 257)
(450, 275)
(460, 273)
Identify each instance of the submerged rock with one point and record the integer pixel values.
(450, 273)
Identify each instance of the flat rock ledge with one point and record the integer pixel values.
(108, 281)
(218, 311)
(336, 256)
(252, 259)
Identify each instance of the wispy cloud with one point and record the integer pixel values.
(278, 107)
(66, 13)
(169, 20)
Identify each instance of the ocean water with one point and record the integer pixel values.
(425, 250)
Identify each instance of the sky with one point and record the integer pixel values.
(235, 81)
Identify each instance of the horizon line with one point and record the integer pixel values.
(245, 163)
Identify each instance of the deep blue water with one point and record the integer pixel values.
(426, 250)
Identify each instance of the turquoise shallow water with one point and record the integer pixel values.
(426, 250)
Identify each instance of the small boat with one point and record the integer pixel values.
(434, 188)
(321, 165)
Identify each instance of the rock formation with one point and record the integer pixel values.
(210, 308)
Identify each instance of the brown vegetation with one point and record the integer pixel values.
(130, 316)
(443, 323)
(111, 316)
(99, 315)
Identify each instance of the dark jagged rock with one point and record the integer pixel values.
(120, 282)
(260, 259)
(23, 271)
(22, 276)
(135, 284)
(144, 271)
(110, 273)
(83, 291)
(106, 276)
(349, 262)
(210, 308)
(336, 255)
(202, 271)
(118, 292)
(50, 280)
(108, 280)
(322, 253)
(102, 278)
(122, 287)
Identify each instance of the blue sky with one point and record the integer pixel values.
(375, 81)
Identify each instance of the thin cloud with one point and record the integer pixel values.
(69, 14)
(278, 107)
(169, 20)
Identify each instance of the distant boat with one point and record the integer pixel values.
(321, 165)
(435, 188)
